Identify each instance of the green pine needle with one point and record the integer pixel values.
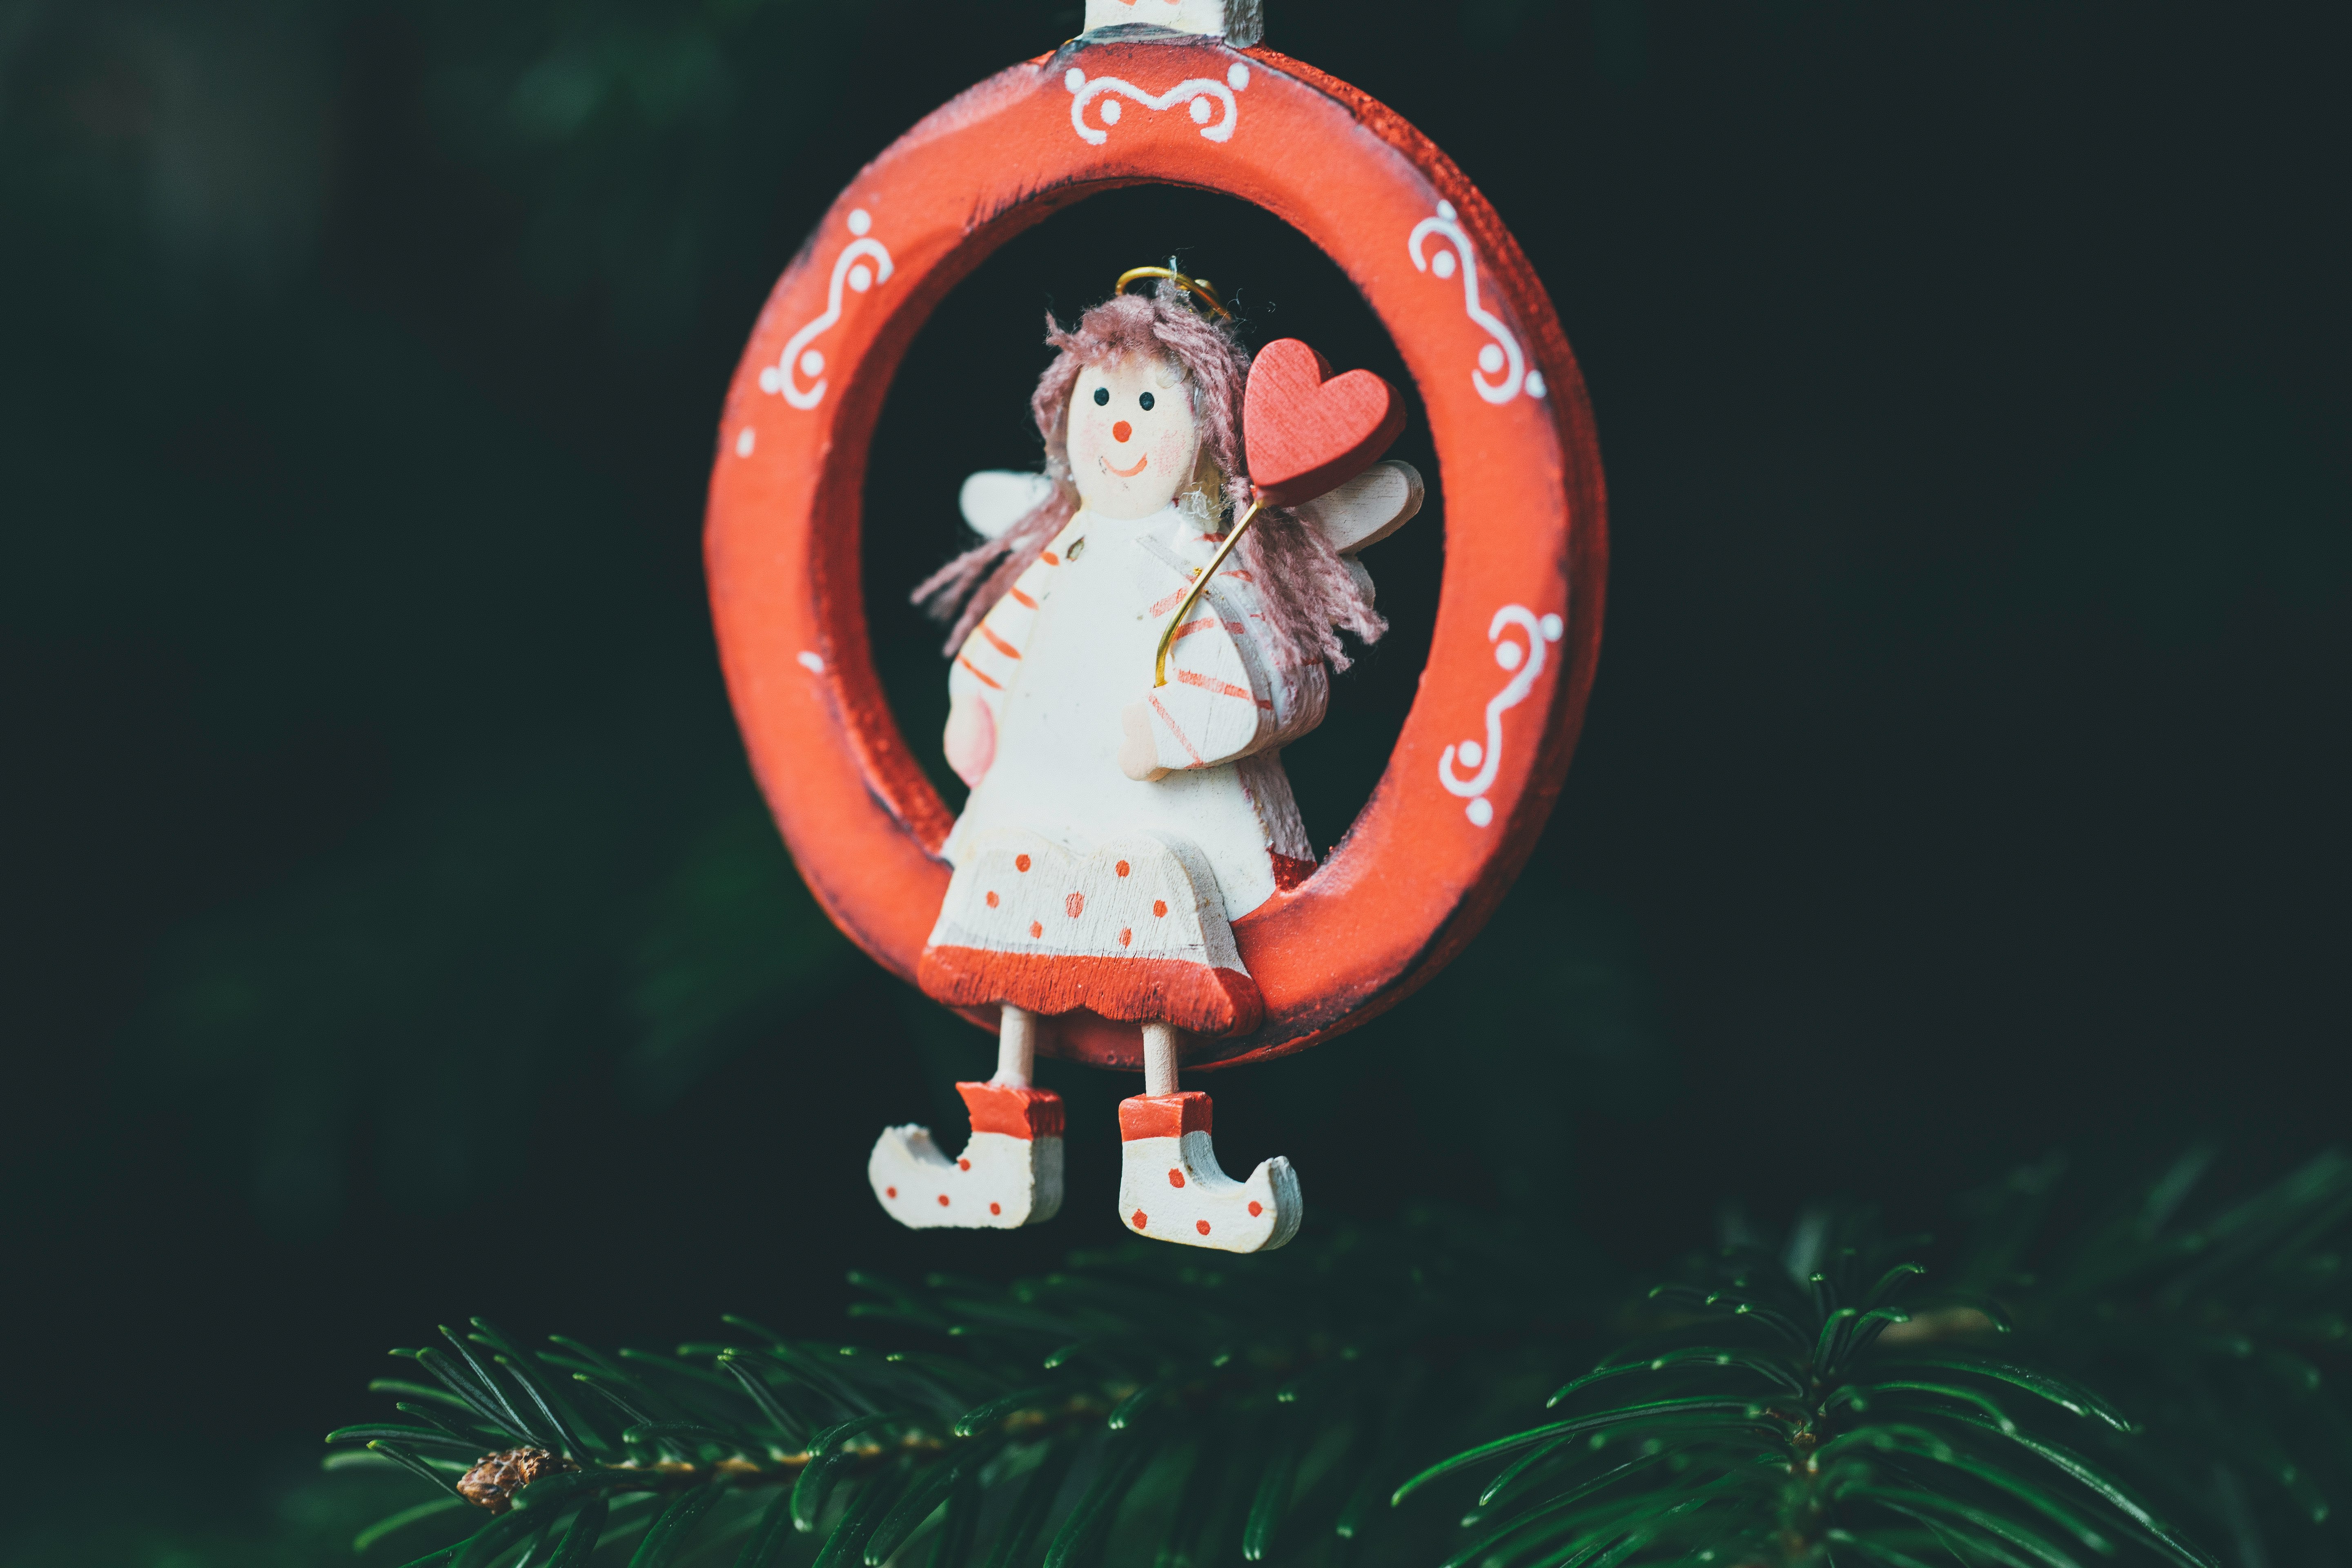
(2177, 1361)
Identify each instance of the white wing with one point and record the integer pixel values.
(1364, 510)
(995, 498)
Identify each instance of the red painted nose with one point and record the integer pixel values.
(1121, 431)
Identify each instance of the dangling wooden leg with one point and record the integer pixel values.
(1016, 1047)
(1171, 1186)
(1010, 1173)
(1161, 1042)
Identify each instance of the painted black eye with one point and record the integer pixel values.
(1102, 396)
(1146, 402)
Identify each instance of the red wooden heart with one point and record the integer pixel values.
(1309, 431)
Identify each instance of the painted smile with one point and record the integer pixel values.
(1127, 473)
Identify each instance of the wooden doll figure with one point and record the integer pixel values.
(1116, 826)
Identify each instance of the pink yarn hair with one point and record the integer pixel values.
(1308, 593)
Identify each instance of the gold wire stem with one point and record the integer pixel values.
(1200, 288)
(1200, 586)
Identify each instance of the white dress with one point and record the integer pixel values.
(1074, 885)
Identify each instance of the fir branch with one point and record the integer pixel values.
(1767, 1419)
(2228, 1324)
(1054, 1420)
(2174, 1362)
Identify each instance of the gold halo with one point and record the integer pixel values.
(1199, 287)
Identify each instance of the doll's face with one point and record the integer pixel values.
(1132, 438)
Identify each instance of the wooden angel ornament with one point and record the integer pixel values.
(1131, 652)
(1146, 624)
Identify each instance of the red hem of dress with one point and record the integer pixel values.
(1194, 997)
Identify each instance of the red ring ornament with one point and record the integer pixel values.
(1449, 824)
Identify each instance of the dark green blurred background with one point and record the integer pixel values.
(395, 934)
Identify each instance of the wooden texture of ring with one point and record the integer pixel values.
(1488, 742)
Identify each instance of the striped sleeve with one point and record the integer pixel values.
(1224, 697)
(990, 661)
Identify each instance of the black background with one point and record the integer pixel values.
(394, 933)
